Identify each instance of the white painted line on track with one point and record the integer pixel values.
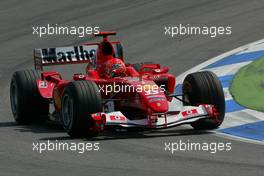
(227, 94)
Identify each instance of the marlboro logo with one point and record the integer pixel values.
(68, 54)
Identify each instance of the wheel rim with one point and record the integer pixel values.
(13, 97)
(67, 111)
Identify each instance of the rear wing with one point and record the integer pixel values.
(64, 55)
(71, 55)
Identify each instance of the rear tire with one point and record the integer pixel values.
(79, 100)
(204, 88)
(26, 102)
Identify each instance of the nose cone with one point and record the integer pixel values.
(158, 105)
(152, 96)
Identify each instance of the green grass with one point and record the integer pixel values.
(247, 88)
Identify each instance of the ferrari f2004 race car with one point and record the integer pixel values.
(112, 93)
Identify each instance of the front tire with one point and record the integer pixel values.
(26, 102)
(80, 99)
(204, 88)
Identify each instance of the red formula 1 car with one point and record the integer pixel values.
(112, 93)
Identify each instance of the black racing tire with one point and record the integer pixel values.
(27, 105)
(79, 100)
(204, 88)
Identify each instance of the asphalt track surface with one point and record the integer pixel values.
(140, 27)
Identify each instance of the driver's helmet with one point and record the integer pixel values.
(115, 68)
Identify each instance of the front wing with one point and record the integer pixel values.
(187, 115)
